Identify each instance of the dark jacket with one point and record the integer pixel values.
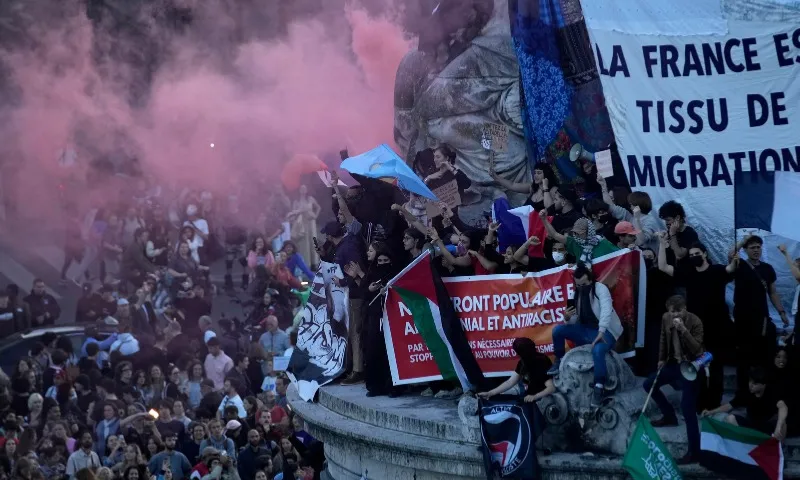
(134, 259)
(248, 461)
(13, 319)
(41, 304)
(690, 340)
(89, 303)
(209, 405)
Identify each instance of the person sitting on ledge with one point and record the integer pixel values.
(531, 369)
(591, 321)
(764, 404)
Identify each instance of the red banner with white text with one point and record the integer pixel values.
(496, 309)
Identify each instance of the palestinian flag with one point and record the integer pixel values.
(425, 295)
(739, 452)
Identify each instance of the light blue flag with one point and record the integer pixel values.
(384, 164)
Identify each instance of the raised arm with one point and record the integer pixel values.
(551, 232)
(491, 234)
(521, 255)
(487, 264)
(348, 217)
(410, 218)
(604, 189)
(508, 184)
(460, 261)
(662, 256)
(734, 264)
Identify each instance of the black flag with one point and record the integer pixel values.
(509, 429)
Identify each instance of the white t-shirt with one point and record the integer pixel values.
(201, 225)
(235, 401)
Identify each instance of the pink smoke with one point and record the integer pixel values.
(309, 91)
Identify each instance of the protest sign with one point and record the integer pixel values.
(447, 195)
(496, 309)
(603, 161)
(689, 107)
(494, 137)
(322, 337)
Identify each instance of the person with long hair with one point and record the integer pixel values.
(282, 273)
(197, 374)
(132, 457)
(23, 469)
(592, 321)
(294, 260)
(258, 254)
(531, 370)
(184, 266)
(303, 217)
(540, 190)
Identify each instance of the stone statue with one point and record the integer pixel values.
(463, 75)
(571, 423)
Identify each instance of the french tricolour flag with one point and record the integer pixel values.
(517, 225)
(768, 201)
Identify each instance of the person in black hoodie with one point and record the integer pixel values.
(379, 271)
(532, 369)
(89, 308)
(43, 306)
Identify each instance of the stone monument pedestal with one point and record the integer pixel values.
(419, 438)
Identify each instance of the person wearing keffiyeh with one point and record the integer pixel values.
(582, 242)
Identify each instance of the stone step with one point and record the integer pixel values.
(429, 417)
(354, 448)
(411, 413)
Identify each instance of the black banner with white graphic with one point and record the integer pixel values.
(509, 430)
(319, 356)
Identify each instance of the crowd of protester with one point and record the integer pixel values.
(161, 389)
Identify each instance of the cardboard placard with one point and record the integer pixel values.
(494, 137)
(603, 161)
(447, 194)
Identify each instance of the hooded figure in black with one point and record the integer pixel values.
(380, 270)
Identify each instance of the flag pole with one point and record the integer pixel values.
(735, 239)
(650, 394)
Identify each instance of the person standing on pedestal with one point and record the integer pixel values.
(681, 341)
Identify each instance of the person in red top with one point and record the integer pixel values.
(282, 273)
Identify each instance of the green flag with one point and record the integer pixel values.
(302, 295)
(647, 458)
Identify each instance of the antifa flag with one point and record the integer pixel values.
(319, 356)
(509, 429)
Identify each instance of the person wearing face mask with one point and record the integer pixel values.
(604, 223)
(592, 321)
(583, 243)
(681, 341)
(705, 285)
(379, 271)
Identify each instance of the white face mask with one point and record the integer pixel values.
(558, 257)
